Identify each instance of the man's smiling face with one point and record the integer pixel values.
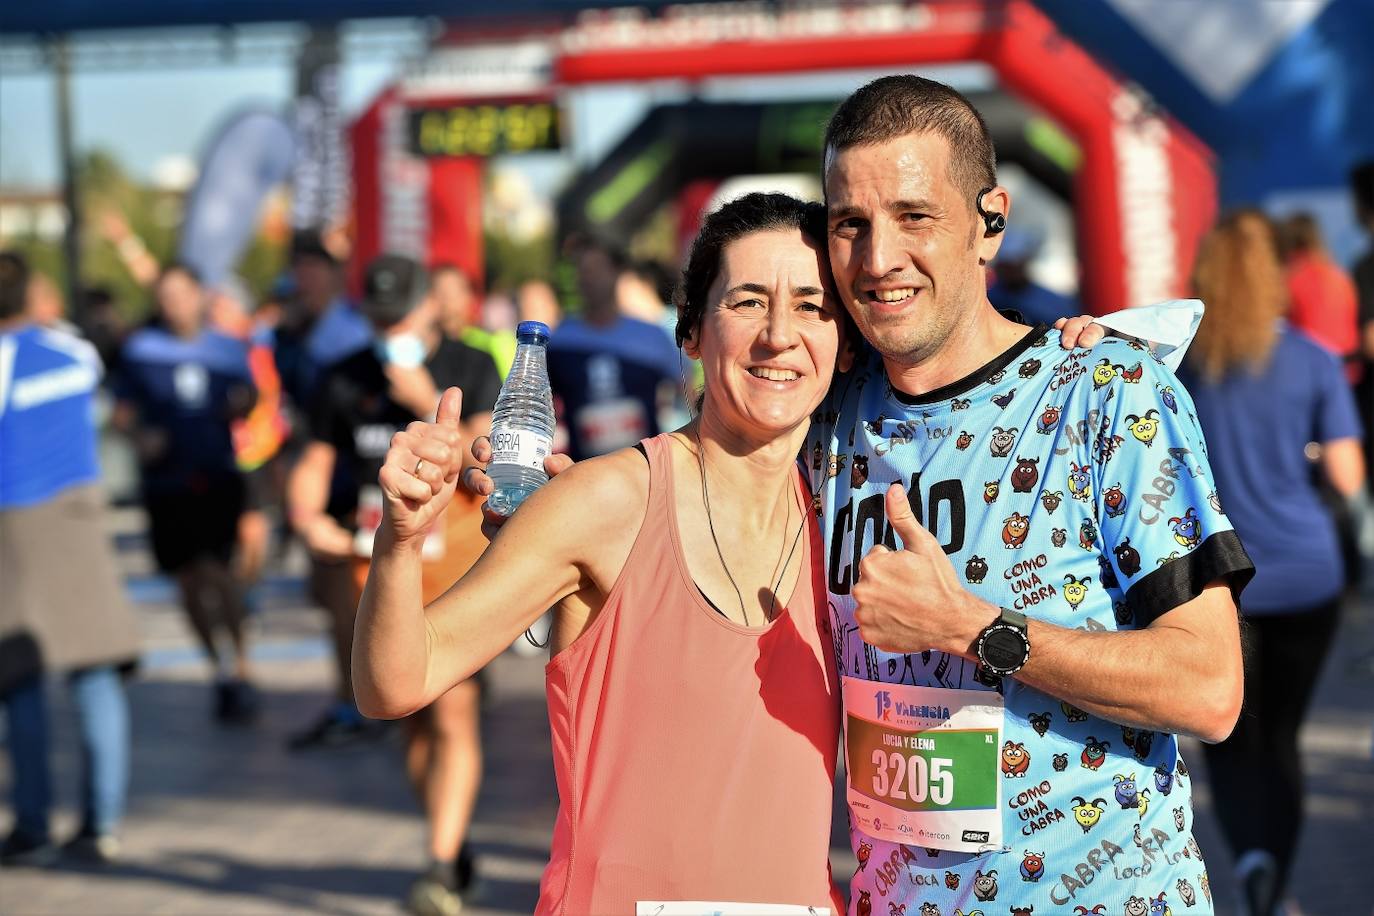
(906, 246)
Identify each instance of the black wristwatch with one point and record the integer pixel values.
(1003, 647)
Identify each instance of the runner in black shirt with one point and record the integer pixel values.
(360, 404)
(319, 327)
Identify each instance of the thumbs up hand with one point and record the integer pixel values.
(910, 599)
(421, 471)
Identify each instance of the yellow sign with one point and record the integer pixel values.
(484, 130)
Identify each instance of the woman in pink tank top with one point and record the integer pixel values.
(692, 692)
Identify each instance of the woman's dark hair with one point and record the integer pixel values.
(757, 212)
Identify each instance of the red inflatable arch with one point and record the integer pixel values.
(1145, 190)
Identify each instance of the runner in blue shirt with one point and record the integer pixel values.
(180, 386)
(1015, 677)
(610, 372)
(320, 329)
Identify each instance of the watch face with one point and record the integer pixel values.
(1004, 648)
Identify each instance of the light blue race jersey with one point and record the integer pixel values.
(1071, 486)
(48, 380)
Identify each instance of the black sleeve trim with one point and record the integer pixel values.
(1221, 556)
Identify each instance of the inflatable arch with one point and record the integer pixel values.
(1143, 194)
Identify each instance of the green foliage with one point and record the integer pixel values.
(153, 214)
(510, 262)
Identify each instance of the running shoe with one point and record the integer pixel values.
(334, 731)
(464, 870)
(92, 848)
(236, 702)
(1257, 877)
(434, 895)
(21, 848)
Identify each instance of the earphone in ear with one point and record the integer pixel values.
(995, 222)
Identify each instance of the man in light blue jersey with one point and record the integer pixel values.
(1032, 590)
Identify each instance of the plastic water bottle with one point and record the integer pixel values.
(522, 423)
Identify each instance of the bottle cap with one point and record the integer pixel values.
(537, 330)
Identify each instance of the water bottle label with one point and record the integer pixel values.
(523, 447)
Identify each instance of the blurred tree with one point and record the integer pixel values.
(656, 240)
(111, 199)
(511, 261)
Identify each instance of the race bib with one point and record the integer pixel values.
(515, 445)
(369, 519)
(699, 908)
(606, 426)
(923, 764)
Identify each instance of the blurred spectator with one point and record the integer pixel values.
(1322, 300)
(103, 326)
(63, 607)
(1264, 391)
(362, 402)
(643, 291)
(611, 372)
(258, 437)
(1012, 288)
(180, 387)
(319, 328)
(458, 304)
(44, 305)
(536, 301)
(1363, 182)
(271, 310)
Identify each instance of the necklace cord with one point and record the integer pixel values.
(711, 525)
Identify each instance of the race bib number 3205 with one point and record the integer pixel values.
(923, 764)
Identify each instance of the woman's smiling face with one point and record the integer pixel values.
(771, 334)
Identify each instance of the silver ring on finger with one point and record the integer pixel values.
(416, 472)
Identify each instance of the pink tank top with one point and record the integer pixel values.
(694, 756)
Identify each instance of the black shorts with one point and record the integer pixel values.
(188, 524)
(262, 486)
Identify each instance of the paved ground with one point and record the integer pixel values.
(227, 822)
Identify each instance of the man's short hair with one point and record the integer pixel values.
(895, 106)
(14, 283)
(179, 267)
(309, 243)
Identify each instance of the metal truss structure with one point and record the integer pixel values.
(201, 46)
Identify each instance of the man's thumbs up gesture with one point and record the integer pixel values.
(910, 599)
(421, 470)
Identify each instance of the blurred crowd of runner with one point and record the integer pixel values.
(256, 420)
